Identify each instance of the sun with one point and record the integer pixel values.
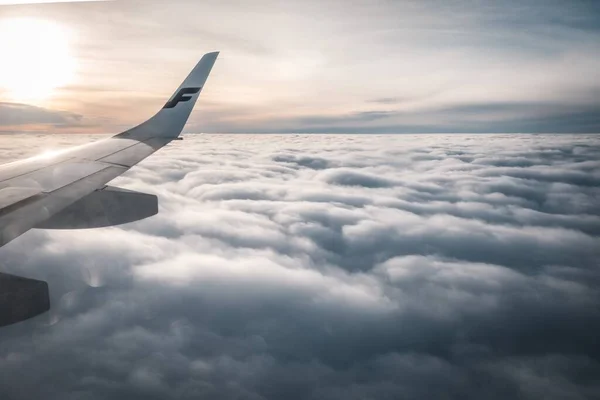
(35, 59)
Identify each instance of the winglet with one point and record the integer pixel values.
(171, 119)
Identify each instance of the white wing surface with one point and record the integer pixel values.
(68, 190)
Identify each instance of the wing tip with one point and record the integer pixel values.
(214, 54)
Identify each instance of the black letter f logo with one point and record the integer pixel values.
(182, 95)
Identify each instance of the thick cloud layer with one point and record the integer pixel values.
(326, 267)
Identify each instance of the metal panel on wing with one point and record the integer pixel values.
(105, 207)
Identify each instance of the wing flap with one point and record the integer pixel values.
(10, 196)
(136, 153)
(105, 207)
(57, 176)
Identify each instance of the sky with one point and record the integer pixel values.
(305, 66)
(329, 267)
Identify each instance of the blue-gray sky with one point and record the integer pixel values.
(312, 66)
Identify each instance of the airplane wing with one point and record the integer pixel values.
(67, 190)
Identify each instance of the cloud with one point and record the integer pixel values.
(517, 117)
(329, 267)
(14, 114)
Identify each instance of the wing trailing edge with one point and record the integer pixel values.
(105, 207)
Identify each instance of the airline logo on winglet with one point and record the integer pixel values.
(183, 95)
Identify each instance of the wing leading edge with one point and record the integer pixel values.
(37, 191)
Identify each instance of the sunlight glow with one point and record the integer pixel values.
(36, 59)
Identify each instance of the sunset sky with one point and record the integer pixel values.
(305, 66)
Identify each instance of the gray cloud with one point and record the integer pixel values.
(517, 117)
(12, 114)
(326, 267)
